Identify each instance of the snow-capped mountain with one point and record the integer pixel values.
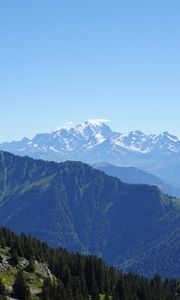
(90, 134)
(138, 141)
(94, 141)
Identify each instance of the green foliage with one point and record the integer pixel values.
(21, 289)
(14, 256)
(2, 288)
(77, 277)
(106, 297)
(53, 290)
(3, 298)
(31, 267)
(2, 245)
(95, 292)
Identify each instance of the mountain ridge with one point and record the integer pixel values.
(75, 206)
(100, 131)
(94, 141)
(136, 176)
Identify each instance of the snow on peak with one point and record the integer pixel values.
(2, 142)
(97, 122)
(170, 136)
(66, 125)
(81, 126)
(92, 127)
(84, 136)
(96, 131)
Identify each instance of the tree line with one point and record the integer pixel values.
(79, 277)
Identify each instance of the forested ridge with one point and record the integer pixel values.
(74, 206)
(72, 275)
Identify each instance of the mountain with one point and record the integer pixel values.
(72, 205)
(136, 176)
(45, 273)
(94, 141)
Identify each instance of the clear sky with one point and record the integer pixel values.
(72, 60)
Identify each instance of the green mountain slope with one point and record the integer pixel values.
(72, 205)
(50, 274)
(30, 270)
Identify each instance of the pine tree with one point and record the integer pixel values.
(143, 293)
(20, 287)
(120, 292)
(61, 290)
(1, 259)
(31, 267)
(2, 288)
(106, 297)
(95, 292)
(2, 243)
(47, 288)
(17, 246)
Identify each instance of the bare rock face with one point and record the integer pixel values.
(4, 265)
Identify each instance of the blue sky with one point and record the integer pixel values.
(75, 60)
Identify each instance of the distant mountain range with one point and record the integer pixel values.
(94, 141)
(136, 176)
(72, 205)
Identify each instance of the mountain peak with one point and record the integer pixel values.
(97, 122)
(170, 136)
(94, 141)
(83, 125)
(166, 133)
(66, 125)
